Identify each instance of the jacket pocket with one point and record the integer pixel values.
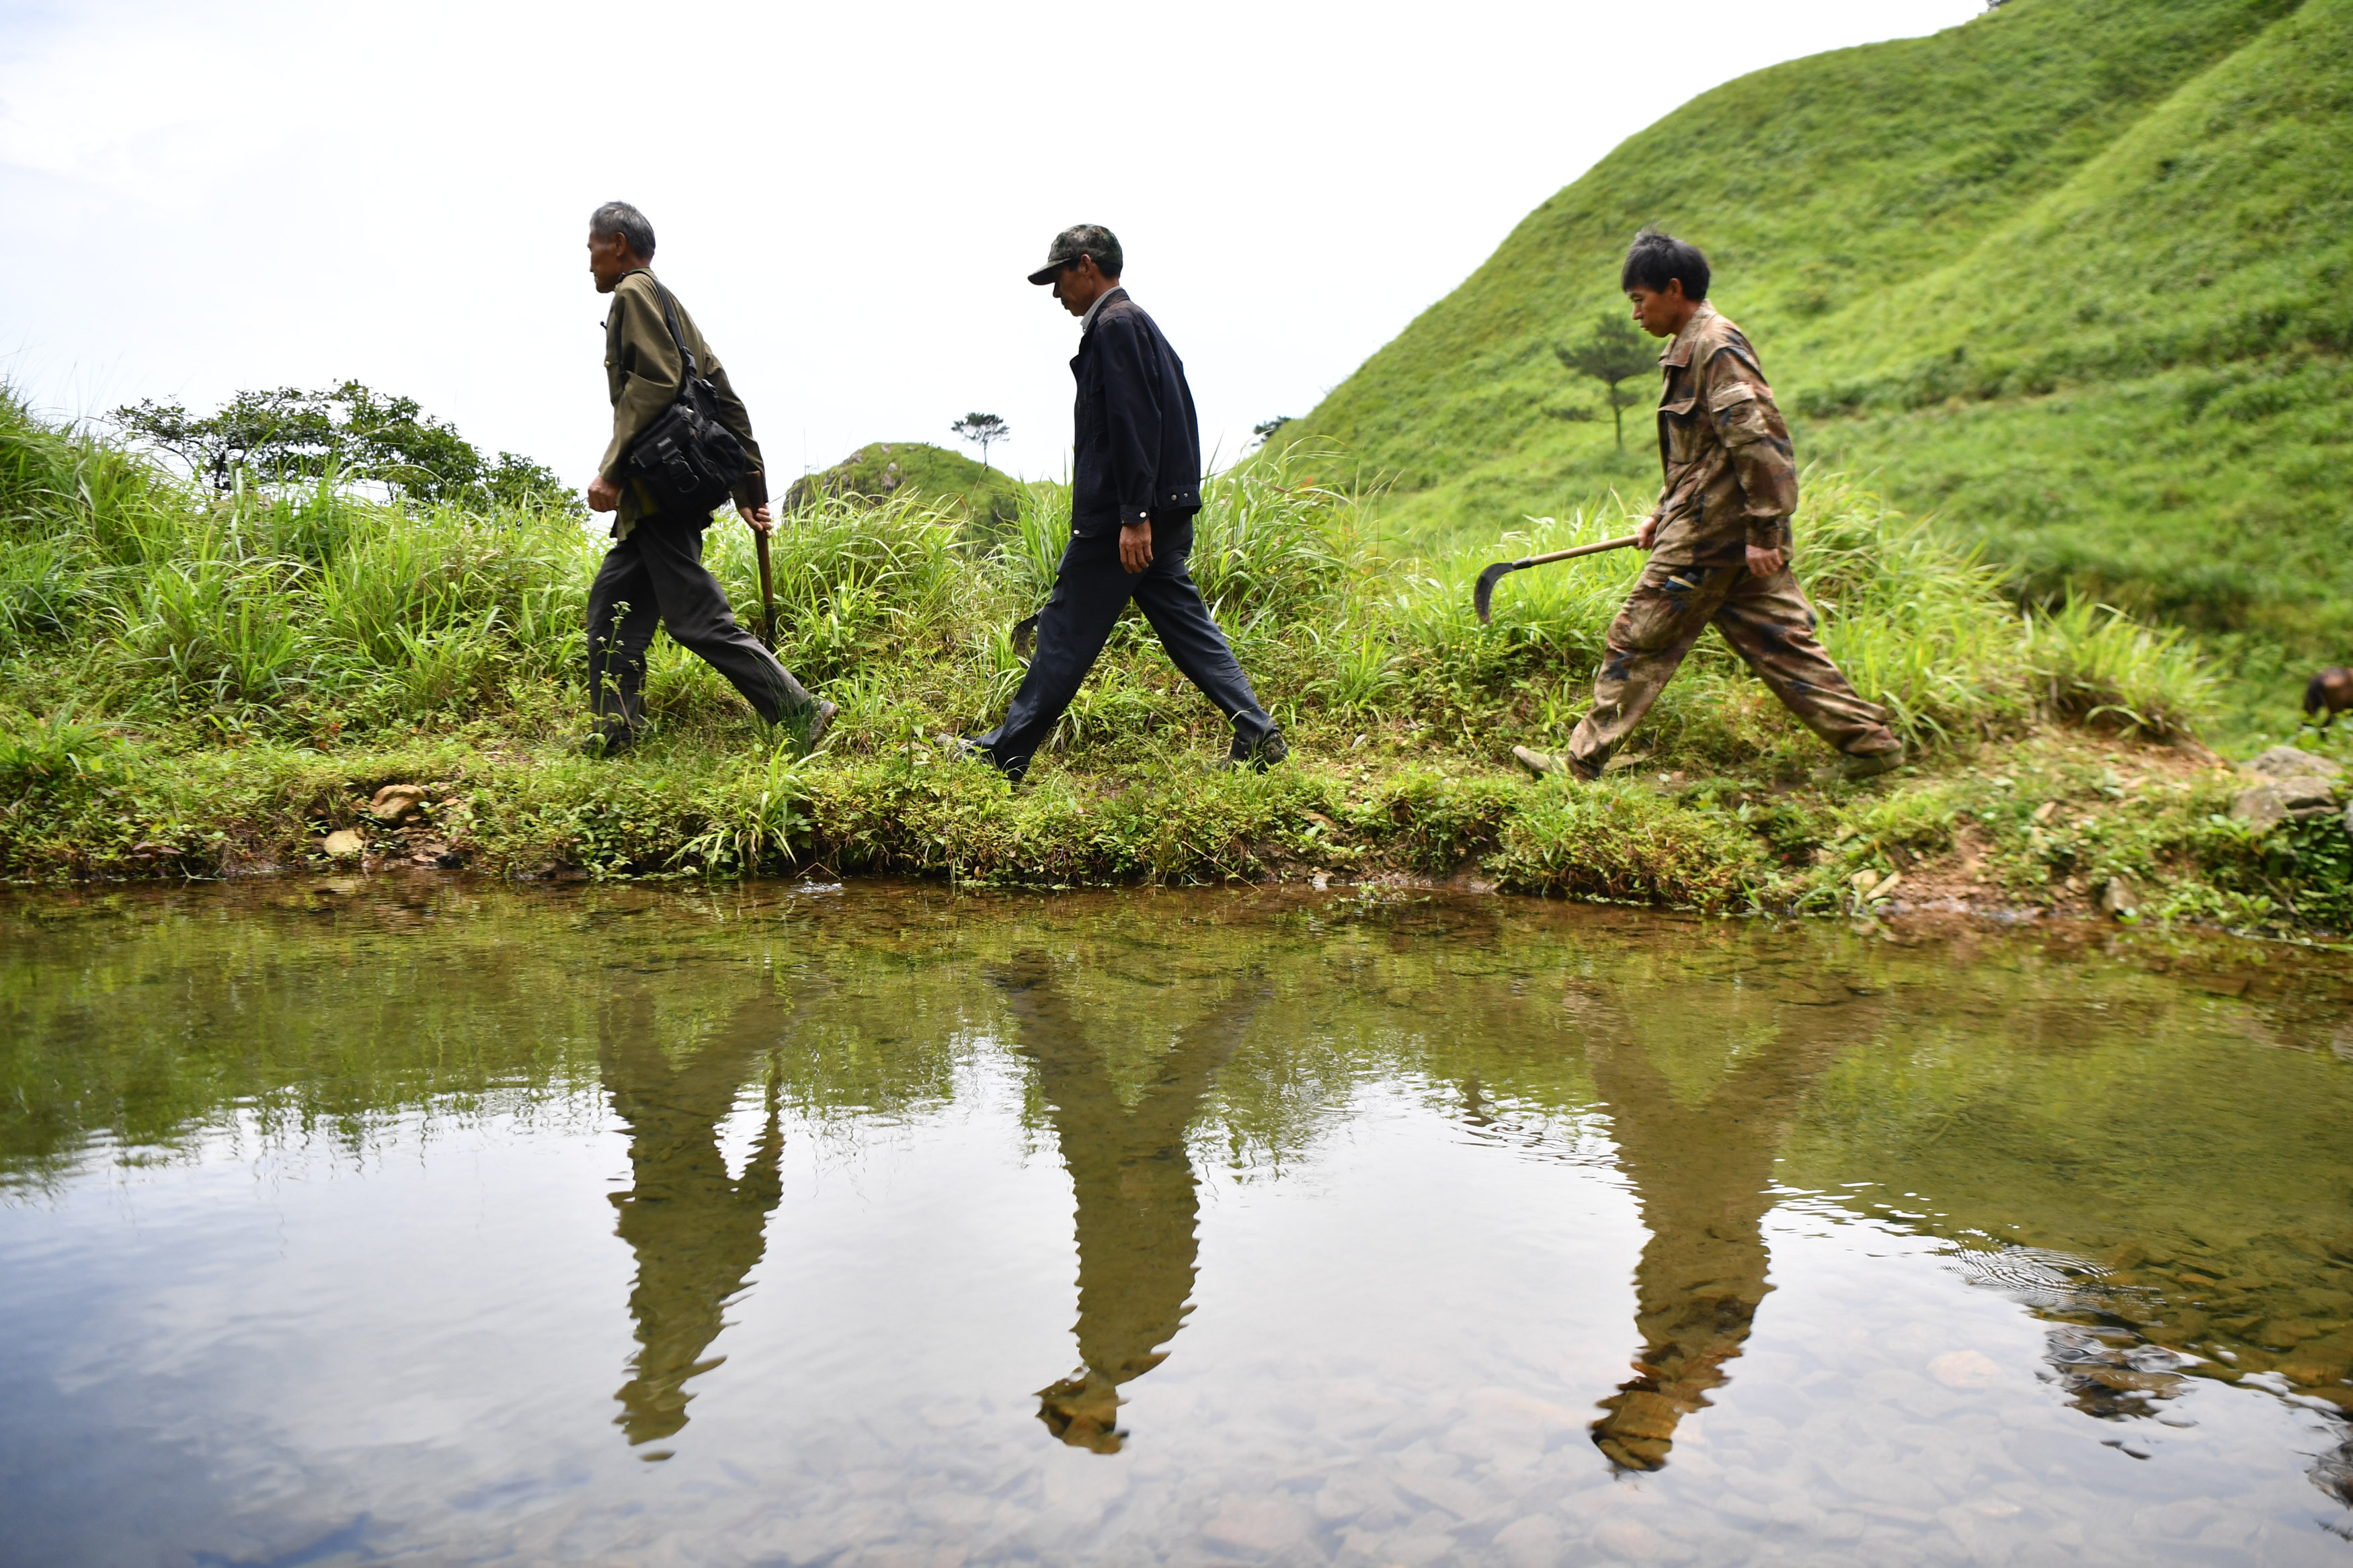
(1740, 415)
(1682, 435)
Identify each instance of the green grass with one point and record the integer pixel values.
(199, 685)
(2069, 277)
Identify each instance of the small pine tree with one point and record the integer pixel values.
(982, 430)
(1613, 355)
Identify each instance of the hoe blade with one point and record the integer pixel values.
(1482, 596)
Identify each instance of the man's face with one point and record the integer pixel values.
(1659, 312)
(608, 261)
(1080, 286)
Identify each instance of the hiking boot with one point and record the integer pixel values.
(1852, 769)
(1544, 763)
(608, 741)
(1261, 754)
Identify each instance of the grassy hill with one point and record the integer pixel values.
(2068, 276)
(916, 471)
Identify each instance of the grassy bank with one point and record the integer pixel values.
(196, 686)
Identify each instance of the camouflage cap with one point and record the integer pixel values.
(1079, 240)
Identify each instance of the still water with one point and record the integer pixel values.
(345, 1223)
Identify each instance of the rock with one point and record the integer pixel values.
(2290, 799)
(1965, 1369)
(2119, 897)
(2289, 786)
(1887, 884)
(344, 844)
(2289, 762)
(2259, 807)
(1864, 881)
(397, 802)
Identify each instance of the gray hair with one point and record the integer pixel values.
(621, 218)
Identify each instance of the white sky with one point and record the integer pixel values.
(207, 197)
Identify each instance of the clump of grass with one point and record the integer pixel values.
(2098, 666)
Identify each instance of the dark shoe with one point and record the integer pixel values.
(608, 741)
(962, 749)
(818, 724)
(1850, 768)
(1261, 754)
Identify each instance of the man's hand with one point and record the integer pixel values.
(1136, 547)
(1765, 563)
(1648, 534)
(758, 518)
(604, 495)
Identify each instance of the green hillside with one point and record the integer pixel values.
(914, 470)
(2068, 275)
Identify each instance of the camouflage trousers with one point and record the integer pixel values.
(1767, 622)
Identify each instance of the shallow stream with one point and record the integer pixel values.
(417, 1220)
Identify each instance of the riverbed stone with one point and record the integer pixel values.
(344, 844)
(2119, 897)
(397, 802)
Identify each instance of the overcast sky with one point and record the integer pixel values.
(208, 197)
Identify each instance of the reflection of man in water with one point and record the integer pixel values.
(696, 1231)
(1702, 1173)
(1137, 1202)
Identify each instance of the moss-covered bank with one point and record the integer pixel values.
(194, 687)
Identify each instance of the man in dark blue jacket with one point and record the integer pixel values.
(1136, 484)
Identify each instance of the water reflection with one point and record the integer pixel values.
(1703, 1170)
(2059, 1256)
(1137, 1201)
(697, 1231)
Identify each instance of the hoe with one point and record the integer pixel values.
(1485, 592)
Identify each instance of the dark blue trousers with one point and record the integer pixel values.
(1091, 590)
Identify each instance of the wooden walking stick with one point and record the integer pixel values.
(1485, 591)
(768, 590)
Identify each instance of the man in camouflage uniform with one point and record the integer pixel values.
(1719, 538)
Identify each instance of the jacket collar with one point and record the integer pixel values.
(1679, 352)
(1108, 297)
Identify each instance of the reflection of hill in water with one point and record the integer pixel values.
(2179, 1150)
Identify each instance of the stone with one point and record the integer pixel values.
(344, 844)
(397, 802)
(2260, 807)
(1259, 1526)
(2119, 899)
(2282, 762)
(1532, 1541)
(1965, 1369)
(2288, 800)
(2289, 786)
(1887, 884)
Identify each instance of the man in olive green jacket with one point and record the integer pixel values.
(654, 573)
